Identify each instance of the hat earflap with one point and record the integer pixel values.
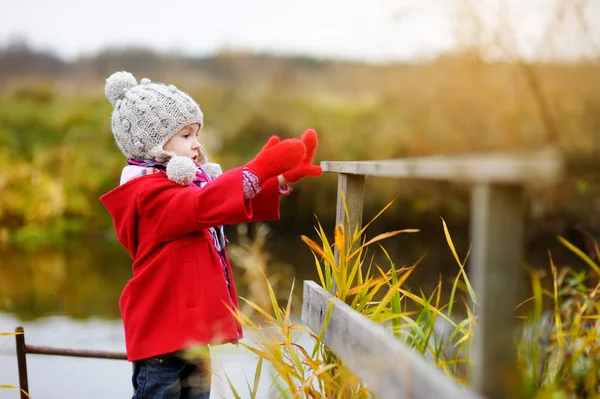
(181, 170)
(213, 168)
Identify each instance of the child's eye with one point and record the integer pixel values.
(185, 136)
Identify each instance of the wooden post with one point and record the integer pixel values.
(352, 188)
(22, 362)
(498, 277)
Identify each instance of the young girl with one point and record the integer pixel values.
(169, 213)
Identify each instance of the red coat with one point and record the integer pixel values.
(178, 294)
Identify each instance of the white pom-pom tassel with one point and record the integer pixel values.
(181, 170)
(213, 168)
(117, 84)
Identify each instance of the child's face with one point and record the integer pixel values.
(185, 142)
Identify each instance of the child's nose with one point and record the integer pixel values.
(196, 145)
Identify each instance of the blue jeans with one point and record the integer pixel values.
(170, 376)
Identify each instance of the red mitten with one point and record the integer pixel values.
(273, 140)
(305, 168)
(276, 158)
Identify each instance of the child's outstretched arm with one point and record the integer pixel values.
(173, 210)
(265, 205)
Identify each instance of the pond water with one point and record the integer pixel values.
(57, 377)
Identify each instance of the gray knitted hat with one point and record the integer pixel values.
(147, 115)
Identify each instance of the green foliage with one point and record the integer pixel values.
(560, 353)
(57, 154)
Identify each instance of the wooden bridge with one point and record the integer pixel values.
(498, 205)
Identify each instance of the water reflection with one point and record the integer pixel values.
(86, 278)
(79, 281)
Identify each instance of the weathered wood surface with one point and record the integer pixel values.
(352, 187)
(547, 166)
(386, 365)
(351, 190)
(498, 278)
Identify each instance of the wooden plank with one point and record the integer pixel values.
(350, 188)
(386, 365)
(547, 166)
(497, 218)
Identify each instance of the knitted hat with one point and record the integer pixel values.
(147, 115)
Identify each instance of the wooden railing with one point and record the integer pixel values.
(498, 205)
(23, 350)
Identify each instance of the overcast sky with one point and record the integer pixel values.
(373, 30)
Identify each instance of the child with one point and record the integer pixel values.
(169, 213)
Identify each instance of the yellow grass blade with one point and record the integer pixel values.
(256, 351)
(439, 293)
(462, 269)
(388, 296)
(374, 281)
(242, 318)
(524, 302)
(420, 301)
(304, 330)
(317, 373)
(356, 269)
(259, 310)
(276, 309)
(339, 237)
(312, 364)
(557, 317)
(315, 247)
(288, 311)
(361, 231)
(463, 340)
(450, 243)
(319, 270)
(380, 237)
(581, 254)
(4, 386)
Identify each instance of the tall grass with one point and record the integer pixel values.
(378, 291)
(558, 351)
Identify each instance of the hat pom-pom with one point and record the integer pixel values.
(181, 170)
(117, 84)
(214, 169)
